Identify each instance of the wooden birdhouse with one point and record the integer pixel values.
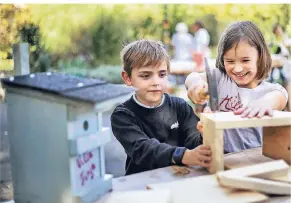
(57, 137)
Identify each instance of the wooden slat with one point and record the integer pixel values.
(250, 178)
(268, 169)
(256, 184)
(225, 120)
(251, 157)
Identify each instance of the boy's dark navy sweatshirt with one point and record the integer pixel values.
(151, 137)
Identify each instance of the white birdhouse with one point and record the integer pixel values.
(57, 138)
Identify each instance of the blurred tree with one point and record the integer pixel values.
(13, 18)
(95, 32)
(108, 34)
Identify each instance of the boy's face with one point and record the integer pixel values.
(150, 83)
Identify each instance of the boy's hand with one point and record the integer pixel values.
(200, 127)
(255, 109)
(201, 156)
(196, 93)
(200, 123)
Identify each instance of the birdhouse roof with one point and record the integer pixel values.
(86, 89)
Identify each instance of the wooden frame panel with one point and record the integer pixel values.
(215, 123)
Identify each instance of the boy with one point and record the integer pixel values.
(155, 129)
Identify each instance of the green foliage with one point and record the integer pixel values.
(58, 23)
(95, 33)
(76, 63)
(109, 73)
(12, 20)
(6, 65)
(107, 38)
(211, 25)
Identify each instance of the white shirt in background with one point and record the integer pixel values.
(201, 42)
(183, 45)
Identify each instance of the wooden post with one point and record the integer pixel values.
(277, 142)
(288, 88)
(21, 59)
(214, 138)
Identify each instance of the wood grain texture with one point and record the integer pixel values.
(214, 138)
(277, 142)
(251, 157)
(205, 189)
(255, 184)
(215, 123)
(251, 178)
(226, 120)
(268, 169)
(143, 196)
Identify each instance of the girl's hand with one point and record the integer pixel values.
(194, 93)
(255, 109)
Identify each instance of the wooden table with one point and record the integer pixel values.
(182, 67)
(139, 181)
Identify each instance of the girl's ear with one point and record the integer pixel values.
(126, 78)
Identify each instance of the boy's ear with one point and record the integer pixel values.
(126, 78)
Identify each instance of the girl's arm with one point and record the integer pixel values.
(276, 99)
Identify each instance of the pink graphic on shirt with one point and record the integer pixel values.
(230, 103)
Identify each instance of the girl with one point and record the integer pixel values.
(243, 62)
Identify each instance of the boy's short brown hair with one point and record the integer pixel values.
(245, 30)
(143, 53)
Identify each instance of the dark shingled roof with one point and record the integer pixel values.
(85, 89)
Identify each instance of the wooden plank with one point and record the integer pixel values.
(143, 196)
(288, 88)
(268, 169)
(205, 189)
(256, 184)
(250, 178)
(251, 157)
(225, 120)
(214, 138)
(245, 158)
(277, 142)
(140, 181)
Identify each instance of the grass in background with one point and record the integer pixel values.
(6, 65)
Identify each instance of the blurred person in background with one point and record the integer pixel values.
(280, 41)
(279, 50)
(182, 42)
(201, 45)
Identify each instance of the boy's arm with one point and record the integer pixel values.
(144, 151)
(189, 122)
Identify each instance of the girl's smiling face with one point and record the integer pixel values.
(240, 63)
